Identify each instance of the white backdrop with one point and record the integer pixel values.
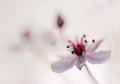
(30, 63)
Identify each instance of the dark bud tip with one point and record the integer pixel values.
(84, 35)
(85, 41)
(72, 52)
(68, 46)
(60, 21)
(93, 40)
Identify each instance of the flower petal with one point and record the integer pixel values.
(64, 64)
(99, 57)
(80, 62)
(94, 46)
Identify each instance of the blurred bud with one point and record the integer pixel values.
(26, 34)
(60, 21)
(49, 37)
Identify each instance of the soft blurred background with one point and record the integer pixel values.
(30, 39)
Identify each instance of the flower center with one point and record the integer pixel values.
(79, 49)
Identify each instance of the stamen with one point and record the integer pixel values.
(84, 35)
(83, 38)
(85, 41)
(73, 52)
(68, 46)
(93, 40)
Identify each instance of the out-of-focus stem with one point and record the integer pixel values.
(93, 78)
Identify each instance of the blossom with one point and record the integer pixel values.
(81, 51)
(26, 34)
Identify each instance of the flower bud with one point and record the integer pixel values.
(60, 21)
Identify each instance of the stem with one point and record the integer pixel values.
(93, 78)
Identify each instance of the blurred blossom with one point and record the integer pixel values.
(48, 37)
(26, 38)
(26, 34)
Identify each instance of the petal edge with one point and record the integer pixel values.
(64, 64)
(98, 57)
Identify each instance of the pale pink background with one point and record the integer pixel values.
(31, 63)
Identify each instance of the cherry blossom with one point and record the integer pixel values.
(81, 51)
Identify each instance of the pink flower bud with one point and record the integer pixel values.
(26, 34)
(60, 21)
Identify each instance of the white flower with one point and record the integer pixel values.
(80, 53)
